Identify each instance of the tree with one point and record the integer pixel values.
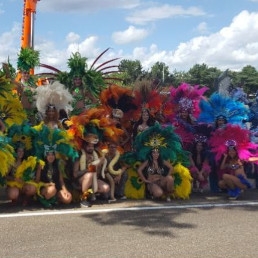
(179, 77)
(248, 77)
(132, 70)
(160, 71)
(204, 76)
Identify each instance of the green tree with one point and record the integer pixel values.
(132, 70)
(179, 77)
(160, 71)
(204, 76)
(248, 77)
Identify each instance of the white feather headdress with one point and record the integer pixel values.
(53, 94)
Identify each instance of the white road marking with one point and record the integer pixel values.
(115, 209)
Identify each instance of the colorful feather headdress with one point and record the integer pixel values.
(233, 135)
(53, 140)
(11, 110)
(187, 97)
(162, 138)
(93, 121)
(54, 94)
(94, 79)
(6, 86)
(6, 156)
(220, 106)
(21, 136)
(119, 101)
(147, 96)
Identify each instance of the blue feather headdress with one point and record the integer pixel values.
(220, 106)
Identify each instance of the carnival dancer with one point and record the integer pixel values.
(232, 148)
(87, 170)
(20, 181)
(158, 175)
(158, 150)
(88, 129)
(50, 175)
(216, 112)
(52, 147)
(120, 104)
(199, 166)
(50, 100)
(185, 101)
(86, 83)
(28, 58)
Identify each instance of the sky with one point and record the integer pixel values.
(179, 33)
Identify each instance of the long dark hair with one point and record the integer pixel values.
(160, 160)
(151, 121)
(203, 152)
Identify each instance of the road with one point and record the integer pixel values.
(206, 225)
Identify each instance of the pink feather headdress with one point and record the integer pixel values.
(235, 136)
(187, 97)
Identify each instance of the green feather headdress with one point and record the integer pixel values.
(20, 135)
(77, 65)
(46, 139)
(28, 58)
(162, 138)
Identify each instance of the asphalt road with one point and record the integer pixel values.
(206, 225)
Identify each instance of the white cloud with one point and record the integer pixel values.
(72, 37)
(130, 35)
(8, 44)
(162, 12)
(202, 28)
(58, 58)
(232, 47)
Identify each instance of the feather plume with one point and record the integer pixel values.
(54, 94)
(244, 146)
(217, 105)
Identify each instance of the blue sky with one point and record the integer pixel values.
(219, 33)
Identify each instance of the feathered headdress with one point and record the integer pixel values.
(162, 138)
(93, 121)
(77, 65)
(52, 140)
(219, 106)
(20, 136)
(11, 110)
(94, 79)
(54, 94)
(6, 86)
(187, 97)
(147, 96)
(235, 136)
(28, 58)
(6, 156)
(119, 101)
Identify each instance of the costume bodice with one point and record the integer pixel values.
(142, 128)
(155, 171)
